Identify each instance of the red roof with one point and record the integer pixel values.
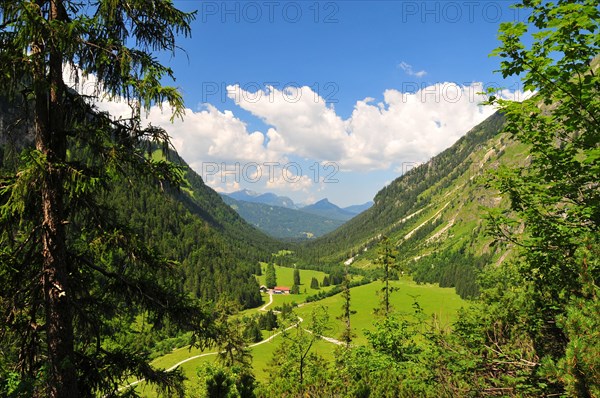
(282, 288)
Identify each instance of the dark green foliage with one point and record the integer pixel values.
(579, 369)
(336, 289)
(222, 382)
(252, 332)
(297, 277)
(325, 282)
(314, 283)
(556, 196)
(451, 269)
(267, 321)
(219, 384)
(295, 289)
(74, 273)
(90, 207)
(211, 267)
(336, 276)
(271, 276)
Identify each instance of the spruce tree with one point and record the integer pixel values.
(72, 273)
(271, 276)
(314, 283)
(347, 333)
(387, 261)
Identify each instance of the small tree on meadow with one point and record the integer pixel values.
(271, 276)
(314, 283)
(387, 260)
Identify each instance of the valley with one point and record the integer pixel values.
(282, 219)
(401, 218)
(443, 303)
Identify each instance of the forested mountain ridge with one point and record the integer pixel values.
(405, 195)
(281, 222)
(245, 239)
(434, 214)
(268, 198)
(218, 251)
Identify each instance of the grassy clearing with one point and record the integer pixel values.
(443, 302)
(261, 357)
(285, 277)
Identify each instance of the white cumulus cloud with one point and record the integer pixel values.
(302, 122)
(404, 127)
(213, 135)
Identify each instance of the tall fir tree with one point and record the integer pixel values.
(72, 274)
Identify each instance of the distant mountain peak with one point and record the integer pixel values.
(324, 203)
(282, 222)
(327, 209)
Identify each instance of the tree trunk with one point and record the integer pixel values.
(50, 139)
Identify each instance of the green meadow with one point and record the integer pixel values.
(285, 277)
(443, 302)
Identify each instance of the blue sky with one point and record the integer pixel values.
(356, 90)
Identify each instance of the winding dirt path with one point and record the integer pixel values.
(264, 307)
(268, 339)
